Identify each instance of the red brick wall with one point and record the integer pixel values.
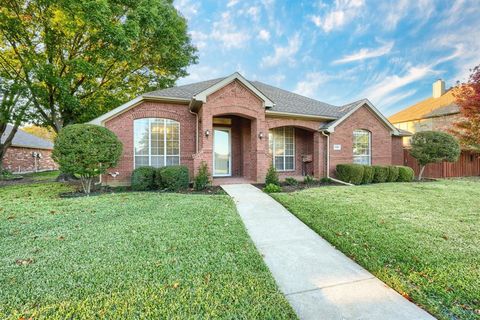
(20, 160)
(122, 126)
(381, 143)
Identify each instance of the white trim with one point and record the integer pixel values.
(364, 102)
(130, 104)
(299, 115)
(229, 151)
(202, 96)
(369, 155)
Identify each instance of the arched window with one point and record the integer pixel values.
(156, 142)
(362, 147)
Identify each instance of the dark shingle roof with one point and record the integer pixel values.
(285, 101)
(27, 140)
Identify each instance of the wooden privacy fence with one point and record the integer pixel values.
(467, 165)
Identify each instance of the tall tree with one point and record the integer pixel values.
(467, 98)
(81, 58)
(13, 111)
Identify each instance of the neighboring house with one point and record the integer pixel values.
(437, 113)
(238, 127)
(28, 153)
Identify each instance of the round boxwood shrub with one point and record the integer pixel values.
(405, 174)
(381, 174)
(143, 179)
(392, 174)
(86, 150)
(350, 172)
(173, 178)
(368, 173)
(272, 188)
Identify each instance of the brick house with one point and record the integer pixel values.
(240, 127)
(27, 153)
(436, 113)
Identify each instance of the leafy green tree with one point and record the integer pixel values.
(13, 111)
(86, 150)
(81, 58)
(434, 146)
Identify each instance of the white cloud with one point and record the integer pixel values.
(188, 8)
(339, 15)
(394, 98)
(264, 35)
(201, 72)
(231, 3)
(366, 53)
(199, 39)
(283, 54)
(311, 84)
(391, 13)
(228, 33)
(381, 90)
(254, 12)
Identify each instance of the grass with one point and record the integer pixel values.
(129, 255)
(422, 239)
(42, 176)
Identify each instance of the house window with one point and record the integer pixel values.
(362, 147)
(282, 148)
(156, 142)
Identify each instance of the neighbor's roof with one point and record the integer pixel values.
(428, 108)
(26, 140)
(285, 101)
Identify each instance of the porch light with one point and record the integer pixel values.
(207, 133)
(260, 135)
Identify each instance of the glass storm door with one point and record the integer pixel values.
(222, 162)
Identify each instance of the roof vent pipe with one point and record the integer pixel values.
(438, 88)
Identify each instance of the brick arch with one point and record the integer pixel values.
(240, 111)
(298, 123)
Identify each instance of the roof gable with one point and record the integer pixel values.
(428, 108)
(354, 106)
(202, 95)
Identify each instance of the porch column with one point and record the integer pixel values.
(259, 148)
(318, 155)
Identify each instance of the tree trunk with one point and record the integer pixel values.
(7, 143)
(65, 177)
(422, 168)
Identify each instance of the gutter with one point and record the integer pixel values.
(328, 162)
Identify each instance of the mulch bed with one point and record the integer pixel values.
(301, 185)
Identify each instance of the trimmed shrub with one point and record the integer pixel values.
(86, 150)
(350, 172)
(143, 179)
(392, 174)
(308, 180)
(202, 180)
(272, 176)
(325, 180)
(405, 174)
(272, 188)
(368, 173)
(173, 178)
(291, 181)
(380, 175)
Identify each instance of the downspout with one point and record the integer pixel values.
(328, 162)
(196, 129)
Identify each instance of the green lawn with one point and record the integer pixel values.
(42, 176)
(129, 255)
(422, 239)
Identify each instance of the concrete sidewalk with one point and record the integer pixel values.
(319, 281)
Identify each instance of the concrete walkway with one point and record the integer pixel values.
(319, 281)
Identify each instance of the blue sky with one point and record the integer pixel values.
(337, 51)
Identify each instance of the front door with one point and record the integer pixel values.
(222, 155)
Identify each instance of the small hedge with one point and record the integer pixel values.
(143, 179)
(380, 175)
(405, 174)
(392, 174)
(351, 173)
(368, 174)
(173, 178)
(272, 176)
(272, 188)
